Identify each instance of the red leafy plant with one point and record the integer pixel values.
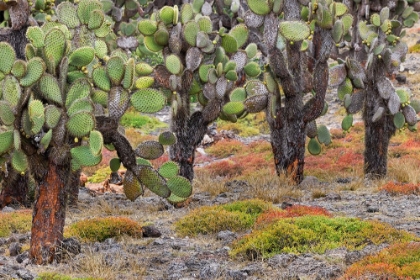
(396, 188)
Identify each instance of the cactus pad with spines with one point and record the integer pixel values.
(52, 116)
(347, 122)
(205, 24)
(19, 161)
(80, 105)
(147, 27)
(131, 186)
(233, 108)
(238, 94)
(115, 68)
(36, 36)
(67, 14)
(115, 164)
(187, 12)
(151, 45)
(82, 56)
(84, 157)
(11, 91)
(95, 142)
(152, 180)
(399, 120)
(96, 19)
(346, 87)
(85, 8)
(190, 31)
(169, 169)
(143, 69)
(55, 46)
(148, 100)
(294, 30)
(144, 82)
(149, 150)
(6, 114)
(6, 141)
(394, 103)
(256, 103)
(175, 199)
(101, 79)
(314, 148)
(80, 124)
(7, 57)
(173, 64)
(179, 186)
(252, 69)
(46, 139)
(19, 69)
(167, 138)
(229, 43)
(260, 7)
(240, 33)
(78, 89)
(129, 74)
(324, 136)
(50, 89)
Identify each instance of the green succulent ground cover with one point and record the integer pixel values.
(136, 120)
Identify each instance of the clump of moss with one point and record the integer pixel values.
(235, 216)
(15, 222)
(58, 276)
(100, 175)
(99, 229)
(399, 261)
(414, 49)
(315, 234)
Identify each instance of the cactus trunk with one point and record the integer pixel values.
(49, 214)
(14, 188)
(73, 188)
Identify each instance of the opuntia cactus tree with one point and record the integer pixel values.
(375, 52)
(200, 61)
(298, 38)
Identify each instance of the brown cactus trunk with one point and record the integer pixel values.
(14, 188)
(73, 188)
(49, 214)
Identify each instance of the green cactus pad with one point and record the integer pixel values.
(46, 139)
(101, 49)
(36, 36)
(180, 186)
(84, 157)
(142, 161)
(147, 27)
(175, 199)
(324, 17)
(7, 57)
(19, 68)
(169, 169)
(6, 114)
(100, 97)
(294, 30)
(254, 87)
(80, 105)
(95, 142)
(337, 75)
(50, 89)
(252, 69)
(78, 89)
(143, 69)
(148, 100)
(187, 12)
(11, 91)
(203, 72)
(233, 108)
(101, 79)
(30, 51)
(96, 19)
(167, 138)
(231, 75)
(131, 185)
(256, 103)
(151, 45)
(52, 116)
(152, 180)
(270, 83)
(251, 50)
(399, 120)
(82, 56)
(6, 141)
(260, 7)
(323, 134)
(55, 47)
(347, 20)
(205, 24)
(340, 9)
(19, 161)
(344, 88)
(115, 68)
(238, 95)
(190, 31)
(229, 43)
(80, 124)
(72, 76)
(85, 8)
(404, 95)
(67, 14)
(161, 36)
(173, 64)
(347, 122)
(144, 82)
(338, 31)
(314, 148)
(104, 30)
(240, 33)
(149, 150)
(166, 14)
(118, 102)
(115, 164)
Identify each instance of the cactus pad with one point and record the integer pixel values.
(399, 120)
(190, 32)
(132, 186)
(80, 105)
(294, 30)
(169, 169)
(394, 103)
(240, 33)
(96, 19)
(50, 89)
(115, 68)
(46, 139)
(85, 8)
(95, 142)
(80, 124)
(149, 150)
(84, 157)
(148, 100)
(337, 75)
(151, 45)
(6, 141)
(79, 89)
(143, 69)
(147, 27)
(7, 57)
(260, 7)
(144, 82)
(324, 136)
(152, 180)
(173, 64)
(193, 58)
(19, 161)
(253, 20)
(6, 114)
(347, 122)
(167, 138)
(256, 103)
(52, 116)
(67, 14)
(346, 87)
(161, 36)
(233, 108)
(378, 114)
(36, 36)
(410, 115)
(179, 186)
(238, 94)
(187, 12)
(82, 56)
(55, 46)
(19, 69)
(229, 43)
(252, 69)
(101, 79)
(11, 91)
(166, 14)
(115, 164)
(314, 148)
(311, 129)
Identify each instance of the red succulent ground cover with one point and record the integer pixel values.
(396, 188)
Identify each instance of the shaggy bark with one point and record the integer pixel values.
(14, 188)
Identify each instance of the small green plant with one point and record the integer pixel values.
(315, 234)
(59, 276)
(399, 261)
(414, 49)
(235, 216)
(136, 120)
(99, 229)
(15, 222)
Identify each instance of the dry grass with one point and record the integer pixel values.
(205, 183)
(404, 170)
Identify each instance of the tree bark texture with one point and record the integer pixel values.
(14, 188)
(49, 214)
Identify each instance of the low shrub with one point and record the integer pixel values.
(315, 234)
(99, 229)
(137, 120)
(225, 148)
(394, 188)
(399, 261)
(235, 216)
(15, 222)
